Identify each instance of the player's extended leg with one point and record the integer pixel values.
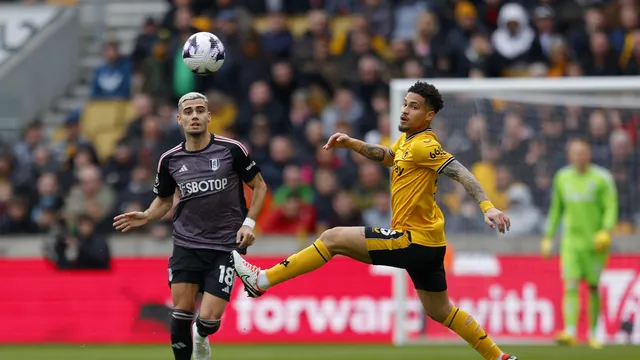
(595, 265)
(347, 241)
(571, 275)
(184, 299)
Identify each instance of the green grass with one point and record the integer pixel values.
(310, 352)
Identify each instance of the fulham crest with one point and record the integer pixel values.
(215, 164)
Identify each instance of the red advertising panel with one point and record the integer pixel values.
(515, 297)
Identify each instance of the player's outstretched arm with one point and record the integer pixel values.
(377, 153)
(158, 208)
(461, 174)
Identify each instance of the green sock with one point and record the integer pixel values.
(571, 307)
(594, 309)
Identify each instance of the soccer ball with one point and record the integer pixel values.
(203, 53)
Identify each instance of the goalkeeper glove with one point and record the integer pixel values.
(602, 241)
(546, 245)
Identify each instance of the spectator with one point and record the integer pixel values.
(622, 38)
(139, 189)
(293, 184)
(24, 152)
(544, 21)
(379, 14)
(626, 190)
(345, 107)
(145, 42)
(117, 171)
(17, 219)
(47, 199)
(594, 22)
(281, 154)
(429, 45)
(370, 181)
(260, 102)
(380, 212)
(602, 61)
(598, 137)
(90, 197)
(466, 27)
(632, 67)
(345, 212)
(559, 58)
(112, 79)
(82, 249)
(514, 42)
(277, 41)
(526, 218)
(294, 217)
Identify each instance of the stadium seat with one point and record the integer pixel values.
(101, 116)
(129, 113)
(298, 25)
(105, 144)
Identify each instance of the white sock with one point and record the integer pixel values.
(263, 281)
(571, 330)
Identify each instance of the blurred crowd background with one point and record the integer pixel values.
(297, 71)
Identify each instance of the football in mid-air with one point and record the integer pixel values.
(203, 53)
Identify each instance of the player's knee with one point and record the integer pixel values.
(439, 313)
(207, 327)
(332, 240)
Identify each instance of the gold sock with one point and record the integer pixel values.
(307, 260)
(467, 328)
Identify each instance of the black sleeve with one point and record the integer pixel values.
(165, 185)
(243, 164)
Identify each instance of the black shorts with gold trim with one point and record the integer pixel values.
(424, 264)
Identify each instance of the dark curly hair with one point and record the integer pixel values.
(430, 94)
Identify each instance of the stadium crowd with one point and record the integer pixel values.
(297, 71)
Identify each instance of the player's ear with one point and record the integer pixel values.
(179, 118)
(430, 115)
(208, 116)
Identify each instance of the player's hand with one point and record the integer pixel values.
(338, 140)
(602, 241)
(496, 218)
(127, 221)
(245, 236)
(546, 246)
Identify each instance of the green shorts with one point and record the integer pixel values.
(584, 265)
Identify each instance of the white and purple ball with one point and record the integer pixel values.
(203, 53)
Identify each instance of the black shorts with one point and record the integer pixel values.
(424, 264)
(212, 270)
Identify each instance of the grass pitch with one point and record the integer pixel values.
(310, 352)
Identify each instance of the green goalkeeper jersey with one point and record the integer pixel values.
(587, 203)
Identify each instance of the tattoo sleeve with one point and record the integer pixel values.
(459, 173)
(372, 152)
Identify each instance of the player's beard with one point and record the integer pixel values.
(403, 128)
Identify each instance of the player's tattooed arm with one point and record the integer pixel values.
(377, 153)
(461, 174)
(258, 194)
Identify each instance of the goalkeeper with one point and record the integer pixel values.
(585, 197)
